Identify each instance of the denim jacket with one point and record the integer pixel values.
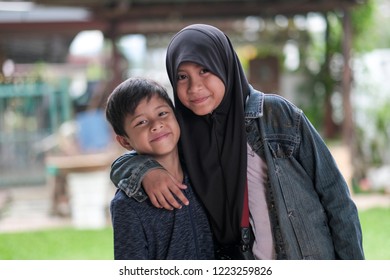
(312, 213)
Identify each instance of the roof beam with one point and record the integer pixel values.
(214, 9)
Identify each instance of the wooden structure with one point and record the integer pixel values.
(120, 17)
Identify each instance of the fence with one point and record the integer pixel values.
(29, 113)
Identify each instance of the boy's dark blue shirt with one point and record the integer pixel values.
(142, 231)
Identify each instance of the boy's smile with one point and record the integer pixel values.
(160, 137)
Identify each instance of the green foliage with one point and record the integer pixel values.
(381, 120)
(362, 16)
(57, 244)
(365, 35)
(335, 37)
(325, 51)
(311, 100)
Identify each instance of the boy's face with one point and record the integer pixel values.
(198, 89)
(152, 129)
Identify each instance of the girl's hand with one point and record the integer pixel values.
(161, 187)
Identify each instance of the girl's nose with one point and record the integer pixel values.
(195, 85)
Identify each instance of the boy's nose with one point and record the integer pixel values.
(157, 125)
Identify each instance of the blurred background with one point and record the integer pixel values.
(59, 61)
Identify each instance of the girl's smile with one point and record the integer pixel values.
(199, 100)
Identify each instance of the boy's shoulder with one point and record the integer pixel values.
(121, 200)
(120, 197)
(123, 205)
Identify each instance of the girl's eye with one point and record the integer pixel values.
(181, 76)
(204, 70)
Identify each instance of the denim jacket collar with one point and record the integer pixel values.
(254, 104)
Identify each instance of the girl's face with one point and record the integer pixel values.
(198, 89)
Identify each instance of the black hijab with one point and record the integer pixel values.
(214, 146)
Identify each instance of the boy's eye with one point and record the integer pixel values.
(161, 114)
(140, 123)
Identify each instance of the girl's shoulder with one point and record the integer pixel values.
(273, 99)
(259, 103)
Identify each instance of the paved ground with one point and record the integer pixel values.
(28, 208)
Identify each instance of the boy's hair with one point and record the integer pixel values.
(127, 96)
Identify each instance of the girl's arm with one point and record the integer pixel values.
(334, 194)
(136, 174)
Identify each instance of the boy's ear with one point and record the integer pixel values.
(124, 142)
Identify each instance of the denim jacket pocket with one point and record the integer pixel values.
(281, 149)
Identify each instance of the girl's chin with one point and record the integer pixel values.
(201, 111)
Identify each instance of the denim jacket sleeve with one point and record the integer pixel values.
(127, 173)
(311, 196)
(333, 192)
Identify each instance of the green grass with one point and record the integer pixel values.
(57, 244)
(72, 244)
(376, 233)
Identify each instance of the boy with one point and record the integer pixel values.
(142, 116)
